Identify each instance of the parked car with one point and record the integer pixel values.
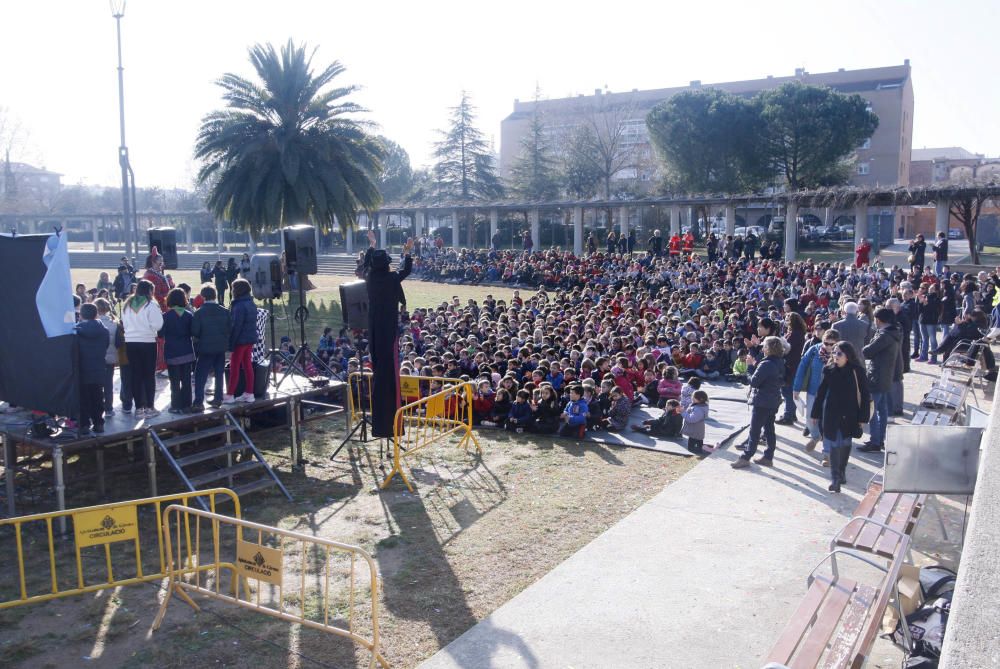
(955, 233)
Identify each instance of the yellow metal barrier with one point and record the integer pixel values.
(117, 530)
(412, 388)
(271, 557)
(429, 420)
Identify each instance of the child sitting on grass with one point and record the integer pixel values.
(501, 409)
(520, 417)
(668, 424)
(595, 418)
(694, 422)
(621, 407)
(576, 414)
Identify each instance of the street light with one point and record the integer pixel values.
(129, 227)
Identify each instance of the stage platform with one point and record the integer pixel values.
(125, 430)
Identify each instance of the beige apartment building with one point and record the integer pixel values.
(883, 160)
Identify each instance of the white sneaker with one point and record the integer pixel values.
(151, 413)
(246, 397)
(229, 399)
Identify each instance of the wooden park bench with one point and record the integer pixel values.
(880, 521)
(839, 619)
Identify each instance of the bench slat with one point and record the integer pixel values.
(849, 534)
(883, 513)
(842, 649)
(803, 617)
(826, 623)
(900, 520)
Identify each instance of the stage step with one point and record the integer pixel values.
(201, 456)
(225, 472)
(247, 488)
(198, 434)
(194, 483)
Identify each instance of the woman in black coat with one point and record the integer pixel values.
(842, 407)
(918, 249)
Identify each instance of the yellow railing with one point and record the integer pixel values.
(295, 576)
(359, 396)
(429, 420)
(118, 528)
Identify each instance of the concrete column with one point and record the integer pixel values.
(494, 223)
(382, 223)
(623, 221)
(536, 237)
(578, 231)
(942, 216)
(97, 235)
(675, 219)
(418, 224)
(828, 217)
(860, 222)
(219, 242)
(692, 217)
(454, 229)
(791, 230)
(730, 220)
(189, 236)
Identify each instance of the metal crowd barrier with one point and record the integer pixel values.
(412, 388)
(237, 552)
(429, 420)
(118, 528)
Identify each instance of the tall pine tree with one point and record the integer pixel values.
(534, 175)
(465, 171)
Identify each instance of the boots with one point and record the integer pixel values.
(844, 457)
(835, 459)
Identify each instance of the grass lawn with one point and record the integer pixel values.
(324, 301)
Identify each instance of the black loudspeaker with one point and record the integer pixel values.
(354, 304)
(265, 276)
(300, 248)
(165, 241)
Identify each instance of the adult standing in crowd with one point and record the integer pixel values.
(795, 337)
(862, 253)
(851, 328)
(655, 243)
(808, 377)
(940, 253)
(765, 398)
(222, 280)
(918, 250)
(177, 350)
(884, 364)
(842, 408)
(141, 321)
(245, 266)
(930, 316)
(206, 272)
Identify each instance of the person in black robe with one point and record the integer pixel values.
(385, 294)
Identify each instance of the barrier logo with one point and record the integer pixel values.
(258, 562)
(106, 526)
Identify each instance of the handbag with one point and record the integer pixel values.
(859, 430)
(910, 259)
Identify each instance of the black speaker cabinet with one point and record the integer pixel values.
(165, 241)
(354, 304)
(265, 276)
(300, 248)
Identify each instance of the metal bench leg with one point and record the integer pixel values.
(57, 469)
(10, 472)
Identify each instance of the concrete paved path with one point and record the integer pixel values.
(704, 575)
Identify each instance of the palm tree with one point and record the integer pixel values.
(284, 150)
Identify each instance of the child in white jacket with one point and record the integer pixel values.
(141, 321)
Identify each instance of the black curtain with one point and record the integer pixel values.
(36, 371)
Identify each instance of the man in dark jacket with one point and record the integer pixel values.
(884, 364)
(903, 323)
(93, 345)
(210, 330)
(971, 329)
(765, 397)
(654, 244)
(940, 253)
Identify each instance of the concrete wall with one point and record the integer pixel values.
(973, 635)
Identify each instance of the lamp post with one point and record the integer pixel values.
(129, 230)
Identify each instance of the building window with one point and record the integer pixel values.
(864, 168)
(867, 144)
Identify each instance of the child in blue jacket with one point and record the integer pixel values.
(520, 417)
(575, 414)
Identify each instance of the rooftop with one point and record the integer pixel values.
(944, 153)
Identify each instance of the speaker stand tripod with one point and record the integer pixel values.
(304, 355)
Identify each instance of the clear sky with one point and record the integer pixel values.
(413, 59)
